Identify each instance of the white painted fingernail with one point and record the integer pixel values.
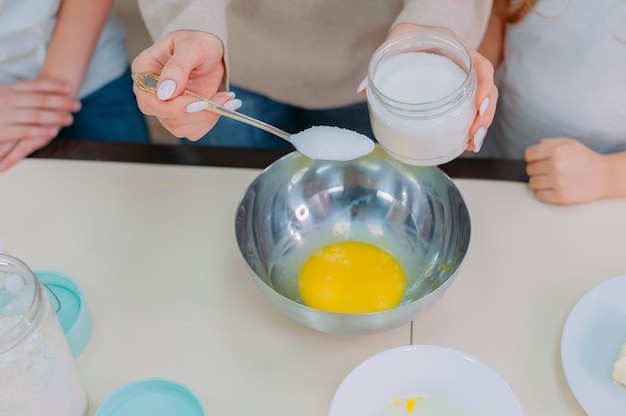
(479, 137)
(196, 106)
(233, 104)
(483, 106)
(362, 85)
(230, 94)
(166, 90)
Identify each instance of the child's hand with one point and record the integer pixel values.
(31, 114)
(564, 171)
(34, 109)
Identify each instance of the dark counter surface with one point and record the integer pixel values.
(245, 158)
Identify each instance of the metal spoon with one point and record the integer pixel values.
(148, 82)
(360, 145)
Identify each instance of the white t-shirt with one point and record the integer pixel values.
(25, 30)
(563, 74)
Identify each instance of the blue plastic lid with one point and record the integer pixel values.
(69, 303)
(154, 397)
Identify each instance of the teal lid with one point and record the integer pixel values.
(154, 397)
(69, 303)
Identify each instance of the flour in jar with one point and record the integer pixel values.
(38, 376)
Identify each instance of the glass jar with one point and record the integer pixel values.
(38, 375)
(421, 96)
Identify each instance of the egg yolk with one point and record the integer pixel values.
(351, 277)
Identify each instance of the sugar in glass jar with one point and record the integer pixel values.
(38, 375)
(421, 96)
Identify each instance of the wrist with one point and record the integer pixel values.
(615, 175)
(53, 75)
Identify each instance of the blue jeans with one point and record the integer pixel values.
(109, 114)
(231, 133)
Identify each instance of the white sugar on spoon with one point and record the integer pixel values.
(331, 143)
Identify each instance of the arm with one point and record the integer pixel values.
(564, 171)
(492, 44)
(73, 41)
(34, 111)
(466, 18)
(166, 16)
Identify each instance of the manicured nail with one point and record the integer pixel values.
(233, 104)
(230, 94)
(362, 85)
(196, 106)
(479, 137)
(483, 106)
(166, 90)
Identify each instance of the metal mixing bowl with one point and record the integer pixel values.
(298, 205)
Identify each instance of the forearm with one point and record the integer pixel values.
(467, 19)
(615, 175)
(165, 16)
(78, 27)
(492, 44)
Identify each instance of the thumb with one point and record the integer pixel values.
(192, 52)
(174, 76)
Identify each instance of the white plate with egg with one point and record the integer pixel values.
(424, 379)
(590, 344)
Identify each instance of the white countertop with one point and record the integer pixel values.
(153, 248)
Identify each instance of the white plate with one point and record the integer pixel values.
(424, 370)
(592, 337)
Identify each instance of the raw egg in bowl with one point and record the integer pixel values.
(353, 247)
